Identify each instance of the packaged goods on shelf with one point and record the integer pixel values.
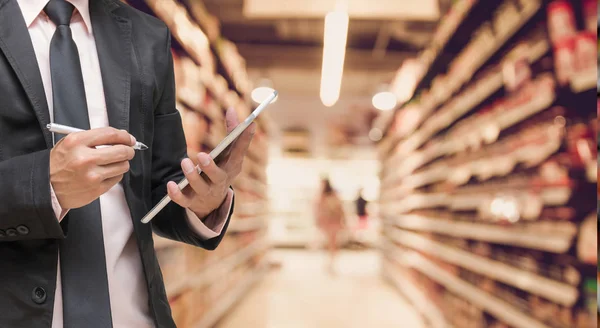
(561, 20)
(211, 77)
(488, 200)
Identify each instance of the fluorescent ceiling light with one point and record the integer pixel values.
(261, 93)
(334, 52)
(384, 101)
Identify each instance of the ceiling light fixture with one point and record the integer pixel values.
(334, 52)
(262, 91)
(384, 100)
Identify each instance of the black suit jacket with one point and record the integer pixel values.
(137, 73)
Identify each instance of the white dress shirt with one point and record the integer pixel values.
(126, 279)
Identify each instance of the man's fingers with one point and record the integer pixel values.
(240, 147)
(177, 196)
(99, 137)
(113, 170)
(231, 119)
(113, 154)
(196, 182)
(213, 172)
(109, 183)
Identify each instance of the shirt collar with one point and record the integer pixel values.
(33, 8)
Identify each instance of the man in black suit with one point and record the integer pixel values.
(73, 251)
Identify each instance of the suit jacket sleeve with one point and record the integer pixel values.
(168, 149)
(25, 204)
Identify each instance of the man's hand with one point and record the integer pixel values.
(80, 173)
(205, 194)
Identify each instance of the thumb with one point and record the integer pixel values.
(231, 119)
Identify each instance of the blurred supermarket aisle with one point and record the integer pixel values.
(468, 125)
(301, 294)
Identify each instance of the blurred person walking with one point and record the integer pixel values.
(330, 219)
(361, 210)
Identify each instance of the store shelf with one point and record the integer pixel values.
(232, 297)
(536, 53)
(429, 311)
(215, 271)
(459, 106)
(454, 28)
(246, 224)
(255, 169)
(478, 150)
(224, 68)
(455, 109)
(252, 209)
(591, 172)
(551, 195)
(557, 292)
(584, 81)
(491, 304)
(211, 140)
(258, 151)
(409, 162)
(251, 185)
(520, 150)
(533, 235)
(488, 54)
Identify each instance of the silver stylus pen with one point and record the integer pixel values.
(214, 153)
(63, 129)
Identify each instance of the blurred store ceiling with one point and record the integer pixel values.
(282, 40)
(377, 42)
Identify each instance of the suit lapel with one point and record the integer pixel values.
(16, 45)
(113, 41)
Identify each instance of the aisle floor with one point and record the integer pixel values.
(301, 294)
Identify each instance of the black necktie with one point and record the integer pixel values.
(86, 301)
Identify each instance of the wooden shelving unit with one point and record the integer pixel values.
(210, 78)
(487, 203)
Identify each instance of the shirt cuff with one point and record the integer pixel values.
(214, 222)
(59, 212)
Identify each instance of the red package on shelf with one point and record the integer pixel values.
(585, 52)
(561, 20)
(564, 60)
(590, 12)
(516, 69)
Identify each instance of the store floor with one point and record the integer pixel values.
(301, 294)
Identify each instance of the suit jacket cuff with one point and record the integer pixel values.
(213, 224)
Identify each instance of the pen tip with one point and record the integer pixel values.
(142, 146)
(275, 93)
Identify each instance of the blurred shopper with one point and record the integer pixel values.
(330, 219)
(361, 210)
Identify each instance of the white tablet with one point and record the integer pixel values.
(237, 131)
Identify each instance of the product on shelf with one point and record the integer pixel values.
(590, 8)
(561, 20)
(515, 68)
(487, 200)
(195, 128)
(585, 52)
(206, 67)
(587, 245)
